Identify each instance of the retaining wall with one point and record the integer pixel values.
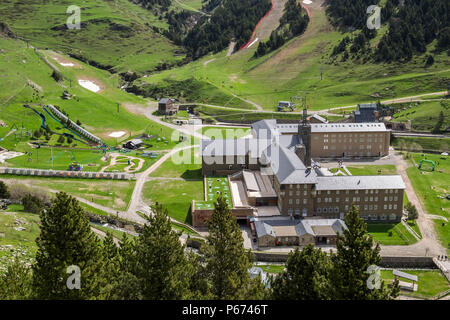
(386, 261)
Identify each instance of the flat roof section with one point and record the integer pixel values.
(258, 185)
(238, 194)
(214, 187)
(267, 211)
(250, 181)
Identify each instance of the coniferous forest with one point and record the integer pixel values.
(225, 21)
(231, 20)
(292, 24)
(410, 26)
(155, 265)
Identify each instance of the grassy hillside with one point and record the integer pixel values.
(295, 70)
(26, 79)
(423, 115)
(114, 34)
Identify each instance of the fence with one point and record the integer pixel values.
(67, 174)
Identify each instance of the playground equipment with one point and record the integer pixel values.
(75, 166)
(69, 124)
(45, 127)
(427, 161)
(150, 154)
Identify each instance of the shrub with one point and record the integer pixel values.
(4, 193)
(32, 204)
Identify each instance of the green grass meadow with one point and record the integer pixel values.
(431, 188)
(430, 282)
(295, 70)
(381, 234)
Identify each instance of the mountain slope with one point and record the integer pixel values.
(302, 67)
(117, 35)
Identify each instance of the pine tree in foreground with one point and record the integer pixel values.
(226, 260)
(160, 264)
(355, 253)
(306, 276)
(15, 283)
(66, 240)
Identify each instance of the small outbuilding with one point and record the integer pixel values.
(166, 106)
(285, 106)
(133, 144)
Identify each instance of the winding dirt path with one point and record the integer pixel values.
(127, 169)
(429, 245)
(136, 197)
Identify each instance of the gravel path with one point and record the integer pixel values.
(429, 245)
(136, 199)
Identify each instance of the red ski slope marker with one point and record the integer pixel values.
(307, 10)
(265, 16)
(256, 28)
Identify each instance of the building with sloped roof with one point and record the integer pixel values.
(366, 112)
(166, 106)
(275, 174)
(282, 231)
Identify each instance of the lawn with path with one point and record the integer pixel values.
(390, 234)
(430, 282)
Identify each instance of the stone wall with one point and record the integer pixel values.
(386, 261)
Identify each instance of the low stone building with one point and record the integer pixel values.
(283, 231)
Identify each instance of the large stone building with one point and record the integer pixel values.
(276, 172)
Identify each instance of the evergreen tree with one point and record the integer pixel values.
(111, 258)
(439, 123)
(4, 193)
(160, 264)
(355, 253)
(226, 260)
(412, 211)
(66, 240)
(61, 139)
(126, 284)
(32, 203)
(430, 61)
(15, 283)
(306, 276)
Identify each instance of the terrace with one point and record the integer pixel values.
(213, 188)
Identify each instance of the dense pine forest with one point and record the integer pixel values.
(293, 23)
(233, 19)
(413, 26)
(410, 26)
(149, 4)
(348, 14)
(227, 20)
